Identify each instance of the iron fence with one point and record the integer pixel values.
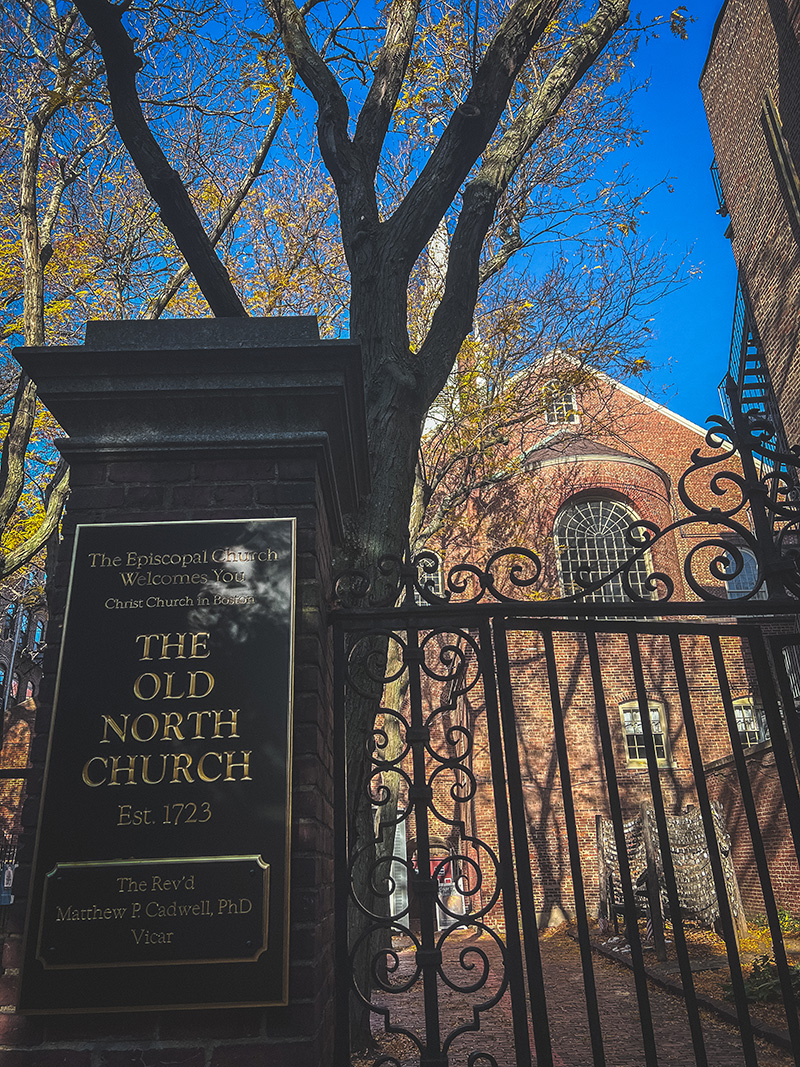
(480, 736)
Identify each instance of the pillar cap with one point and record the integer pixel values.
(208, 383)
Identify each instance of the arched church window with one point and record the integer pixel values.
(591, 543)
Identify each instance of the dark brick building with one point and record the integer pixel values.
(751, 91)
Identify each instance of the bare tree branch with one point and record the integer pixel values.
(470, 128)
(378, 109)
(15, 445)
(334, 114)
(452, 319)
(163, 183)
(55, 497)
(23, 413)
(158, 303)
(500, 259)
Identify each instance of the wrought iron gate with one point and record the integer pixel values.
(498, 754)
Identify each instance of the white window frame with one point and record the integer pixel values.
(630, 716)
(434, 583)
(791, 662)
(750, 721)
(607, 530)
(561, 404)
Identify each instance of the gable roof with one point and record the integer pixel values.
(628, 391)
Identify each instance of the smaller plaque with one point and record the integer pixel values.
(200, 909)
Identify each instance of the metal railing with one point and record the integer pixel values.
(748, 399)
(723, 207)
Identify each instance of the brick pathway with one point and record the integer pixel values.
(566, 1012)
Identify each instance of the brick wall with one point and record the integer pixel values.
(539, 765)
(755, 49)
(269, 483)
(773, 823)
(652, 451)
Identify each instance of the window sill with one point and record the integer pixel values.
(641, 764)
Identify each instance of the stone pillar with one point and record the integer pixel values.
(200, 420)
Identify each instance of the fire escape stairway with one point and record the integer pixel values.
(749, 371)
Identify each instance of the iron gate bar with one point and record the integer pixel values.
(469, 613)
(615, 803)
(710, 830)
(423, 883)
(533, 956)
(791, 797)
(778, 643)
(506, 870)
(492, 621)
(775, 724)
(589, 987)
(779, 950)
(429, 955)
(756, 839)
(666, 852)
(675, 630)
(341, 872)
(547, 627)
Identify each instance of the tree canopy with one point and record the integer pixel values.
(457, 208)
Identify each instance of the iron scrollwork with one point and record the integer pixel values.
(740, 503)
(424, 885)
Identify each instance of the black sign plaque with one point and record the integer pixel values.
(161, 876)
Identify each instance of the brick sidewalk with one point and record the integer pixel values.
(566, 1010)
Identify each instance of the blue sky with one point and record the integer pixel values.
(693, 326)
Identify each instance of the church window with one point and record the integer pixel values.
(742, 585)
(634, 732)
(561, 405)
(591, 542)
(749, 722)
(432, 581)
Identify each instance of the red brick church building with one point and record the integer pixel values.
(597, 461)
